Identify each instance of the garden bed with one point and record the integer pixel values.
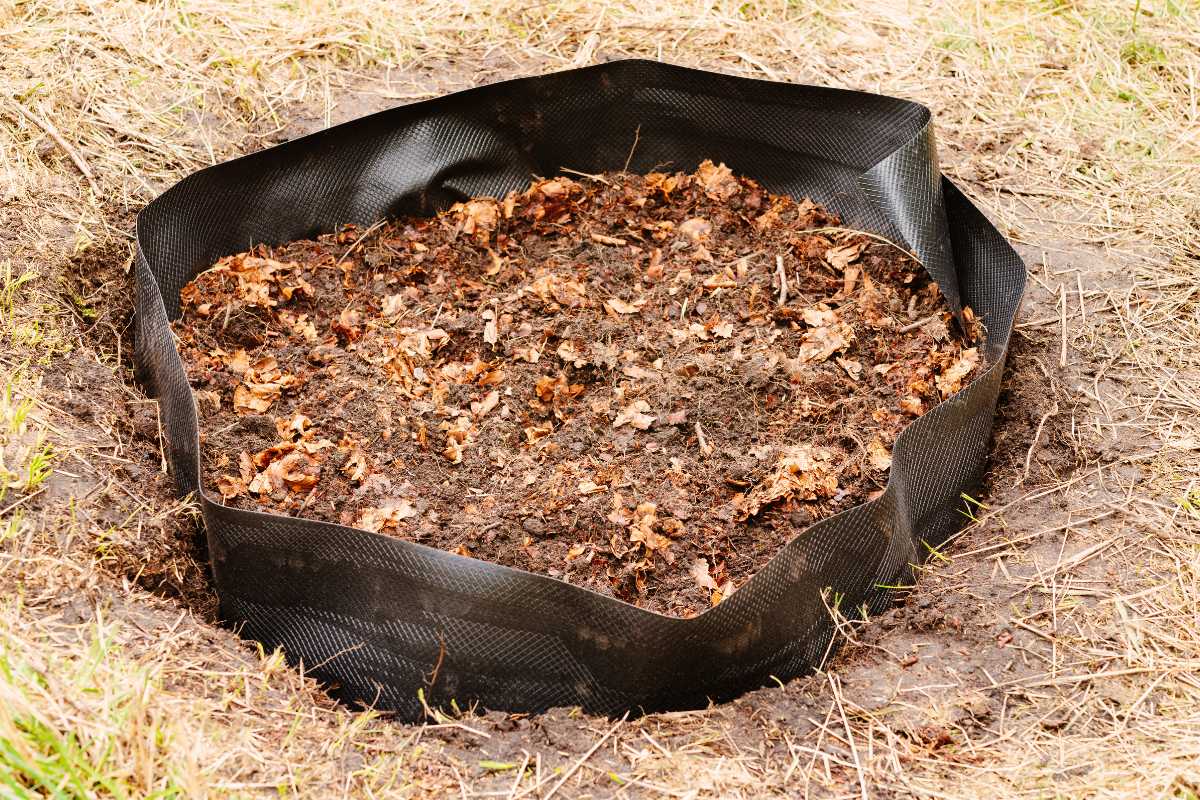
(643, 385)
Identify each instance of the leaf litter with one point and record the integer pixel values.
(644, 385)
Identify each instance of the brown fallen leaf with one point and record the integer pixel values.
(641, 531)
(230, 487)
(393, 305)
(850, 280)
(389, 515)
(356, 468)
(841, 257)
(348, 325)
(718, 181)
(725, 279)
(802, 472)
(567, 352)
(879, 455)
(700, 574)
(296, 471)
(853, 368)
(457, 436)
(491, 333)
(818, 344)
(635, 416)
(249, 401)
(616, 305)
(238, 362)
(262, 383)
(912, 405)
(535, 432)
(695, 228)
(481, 408)
(951, 380)
(476, 217)
(819, 316)
(245, 467)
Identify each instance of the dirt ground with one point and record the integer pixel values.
(1049, 650)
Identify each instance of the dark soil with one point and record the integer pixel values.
(601, 380)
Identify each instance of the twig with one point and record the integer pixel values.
(868, 234)
(912, 326)
(703, 442)
(1062, 295)
(24, 499)
(599, 178)
(1082, 305)
(359, 241)
(520, 774)
(636, 135)
(584, 757)
(837, 696)
(1037, 435)
(431, 679)
(45, 125)
(783, 287)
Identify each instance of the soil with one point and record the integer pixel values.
(644, 385)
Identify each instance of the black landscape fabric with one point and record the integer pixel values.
(379, 619)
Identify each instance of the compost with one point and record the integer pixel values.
(643, 385)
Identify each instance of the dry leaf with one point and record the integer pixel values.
(841, 257)
(497, 263)
(635, 416)
(238, 363)
(616, 305)
(951, 380)
(296, 471)
(700, 574)
(695, 228)
(389, 515)
(245, 467)
(491, 333)
(818, 344)
(254, 400)
(393, 305)
(849, 280)
(910, 404)
(356, 467)
(481, 408)
(801, 472)
(230, 487)
(718, 181)
(725, 279)
(819, 316)
(477, 216)
(853, 368)
(878, 454)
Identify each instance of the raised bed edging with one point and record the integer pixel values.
(378, 618)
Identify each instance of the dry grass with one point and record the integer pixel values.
(1073, 123)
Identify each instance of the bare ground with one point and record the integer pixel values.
(1048, 651)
